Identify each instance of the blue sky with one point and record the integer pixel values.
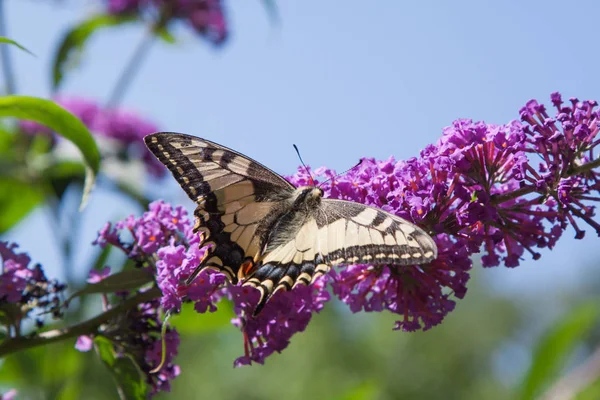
(340, 82)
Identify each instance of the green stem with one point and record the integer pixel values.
(132, 67)
(575, 381)
(527, 190)
(90, 326)
(512, 195)
(133, 194)
(70, 236)
(7, 70)
(585, 167)
(62, 236)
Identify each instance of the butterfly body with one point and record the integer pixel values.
(267, 233)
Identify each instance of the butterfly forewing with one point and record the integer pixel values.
(253, 217)
(234, 195)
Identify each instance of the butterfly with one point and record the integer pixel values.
(266, 233)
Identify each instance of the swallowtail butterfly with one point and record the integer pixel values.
(271, 235)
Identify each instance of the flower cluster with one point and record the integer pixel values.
(502, 190)
(24, 288)
(122, 130)
(480, 187)
(164, 234)
(139, 336)
(9, 395)
(206, 17)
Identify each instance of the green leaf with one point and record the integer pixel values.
(52, 370)
(102, 257)
(7, 142)
(64, 169)
(128, 376)
(62, 174)
(17, 200)
(592, 392)
(365, 391)
(10, 41)
(130, 380)
(165, 35)
(189, 322)
(124, 280)
(71, 390)
(105, 350)
(556, 345)
(74, 41)
(61, 121)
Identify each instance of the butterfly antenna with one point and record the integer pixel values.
(345, 172)
(312, 180)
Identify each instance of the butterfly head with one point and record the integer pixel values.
(308, 196)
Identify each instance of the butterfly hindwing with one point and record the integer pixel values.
(290, 257)
(337, 232)
(353, 233)
(234, 195)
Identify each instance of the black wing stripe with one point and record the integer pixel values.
(254, 169)
(182, 168)
(271, 278)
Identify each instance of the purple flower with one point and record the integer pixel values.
(476, 190)
(137, 334)
(107, 235)
(416, 293)
(204, 291)
(10, 395)
(153, 357)
(84, 343)
(174, 266)
(206, 17)
(124, 6)
(26, 285)
(96, 276)
(153, 230)
(178, 254)
(125, 128)
(283, 316)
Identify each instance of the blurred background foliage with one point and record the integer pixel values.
(486, 349)
(493, 346)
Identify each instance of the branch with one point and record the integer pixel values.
(577, 380)
(133, 65)
(513, 195)
(585, 167)
(530, 189)
(13, 345)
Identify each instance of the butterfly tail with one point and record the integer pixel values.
(269, 279)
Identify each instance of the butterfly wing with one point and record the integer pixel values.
(233, 193)
(289, 258)
(245, 213)
(353, 233)
(335, 233)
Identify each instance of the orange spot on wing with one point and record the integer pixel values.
(246, 268)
